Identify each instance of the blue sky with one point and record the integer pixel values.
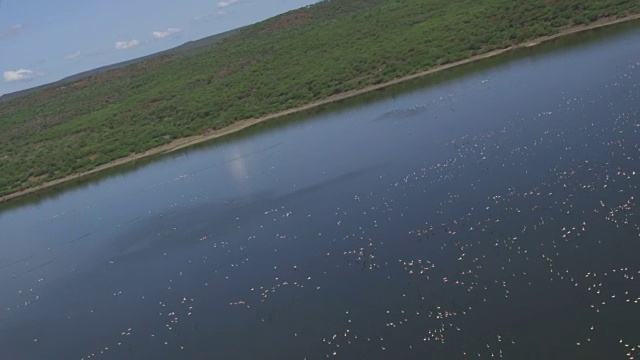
(42, 41)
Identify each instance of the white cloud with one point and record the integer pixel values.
(124, 45)
(202, 18)
(75, 55)
(10, 31)
(227, 3)
(18, 75)
(209, 16)
(164, 34)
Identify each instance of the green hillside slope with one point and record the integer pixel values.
(281, 63)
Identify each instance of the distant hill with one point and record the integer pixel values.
(285, 62)
(189, 45)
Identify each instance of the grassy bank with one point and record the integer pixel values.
(283, 63)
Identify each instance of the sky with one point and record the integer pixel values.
(42, 41)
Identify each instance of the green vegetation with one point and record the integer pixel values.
(281, 63)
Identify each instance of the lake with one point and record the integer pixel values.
(486, 211)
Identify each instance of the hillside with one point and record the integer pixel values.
(190, 45)
(282, 63)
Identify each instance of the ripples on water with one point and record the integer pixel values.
(519, 240)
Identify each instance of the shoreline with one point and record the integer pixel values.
(243, 124)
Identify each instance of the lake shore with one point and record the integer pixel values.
(243, 124)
